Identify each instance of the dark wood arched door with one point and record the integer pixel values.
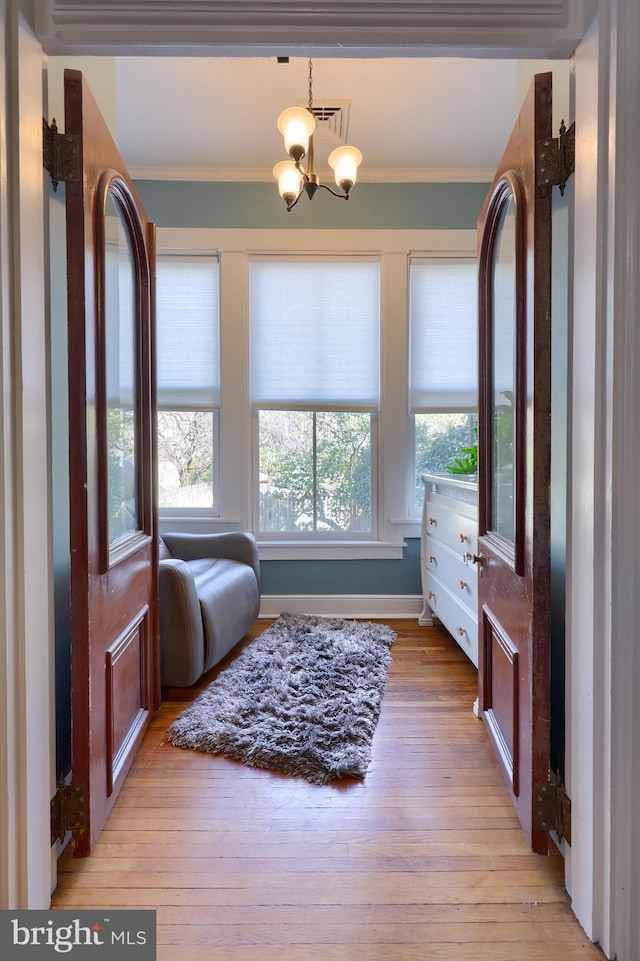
(514, 233)
(114, 643)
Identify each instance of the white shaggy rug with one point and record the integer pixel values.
(303, 698)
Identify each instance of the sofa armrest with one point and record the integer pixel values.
(181, 630)
(236, 546)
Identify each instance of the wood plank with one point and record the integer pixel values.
(126, 858)
(425, 952)
(430, 951)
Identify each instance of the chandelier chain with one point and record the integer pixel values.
(310, 84)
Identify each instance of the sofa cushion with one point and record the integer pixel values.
(203, 568)
(163, 551)
(181, 628)
(229, 600)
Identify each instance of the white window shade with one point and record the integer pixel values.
(188, 332)
(315, 335)
(443, 367)
(120, 343)
(503, 330)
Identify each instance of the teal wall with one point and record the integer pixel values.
(432, 206)
(405, 206)
(346, 577)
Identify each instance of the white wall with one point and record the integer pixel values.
(603, 769)
(26, 742)
(583, 605)
(623, 424)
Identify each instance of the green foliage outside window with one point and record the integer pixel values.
(466, 462)
(439, 438)
(315, 471)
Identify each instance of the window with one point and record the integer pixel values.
(307, 440)
(443, 362)
(314, 376)
(188, 382)
(438, 438)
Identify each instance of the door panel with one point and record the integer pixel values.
(514, 232)
(114, 644)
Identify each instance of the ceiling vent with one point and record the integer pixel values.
(332, 120)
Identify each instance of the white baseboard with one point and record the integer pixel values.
(343, 605)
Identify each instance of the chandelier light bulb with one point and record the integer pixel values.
(344, 161)
(289, 180)
(296, 124)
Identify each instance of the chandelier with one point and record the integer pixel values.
(297, 125)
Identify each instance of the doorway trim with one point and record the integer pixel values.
(605, 74)
(27, 748)
(519, 29)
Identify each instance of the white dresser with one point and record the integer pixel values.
(449, 584)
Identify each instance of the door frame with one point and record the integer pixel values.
(27, 745)
(602, 613)
(606, 65)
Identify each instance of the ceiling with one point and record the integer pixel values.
(415, 119)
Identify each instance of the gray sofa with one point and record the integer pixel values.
(209, 598)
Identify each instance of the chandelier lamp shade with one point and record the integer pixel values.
(297, 126)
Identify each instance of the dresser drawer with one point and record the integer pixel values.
(456, 617)
(448, 566)
(457, 531)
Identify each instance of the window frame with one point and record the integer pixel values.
(292, 258)
(198, 512)
(187, 514)
(414, 507)
(393, 496)
(315, 537)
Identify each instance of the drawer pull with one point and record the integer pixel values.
(462, 585)
(462, 631)
(432, 558)
(463, 538)
(431, 594)
(432, 520)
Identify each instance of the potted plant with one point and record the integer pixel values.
(466, 461)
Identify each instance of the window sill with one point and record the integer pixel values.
(329, 550)
(289, 550)
(203, 523)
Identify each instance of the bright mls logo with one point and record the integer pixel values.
(81, 935)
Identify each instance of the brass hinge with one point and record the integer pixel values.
(553, 808)
(68, 810)
(60, 154)
(556, 158)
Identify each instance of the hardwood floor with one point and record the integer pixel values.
(423, 860)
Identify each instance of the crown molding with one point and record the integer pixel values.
(259, 175)
(514, 28)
